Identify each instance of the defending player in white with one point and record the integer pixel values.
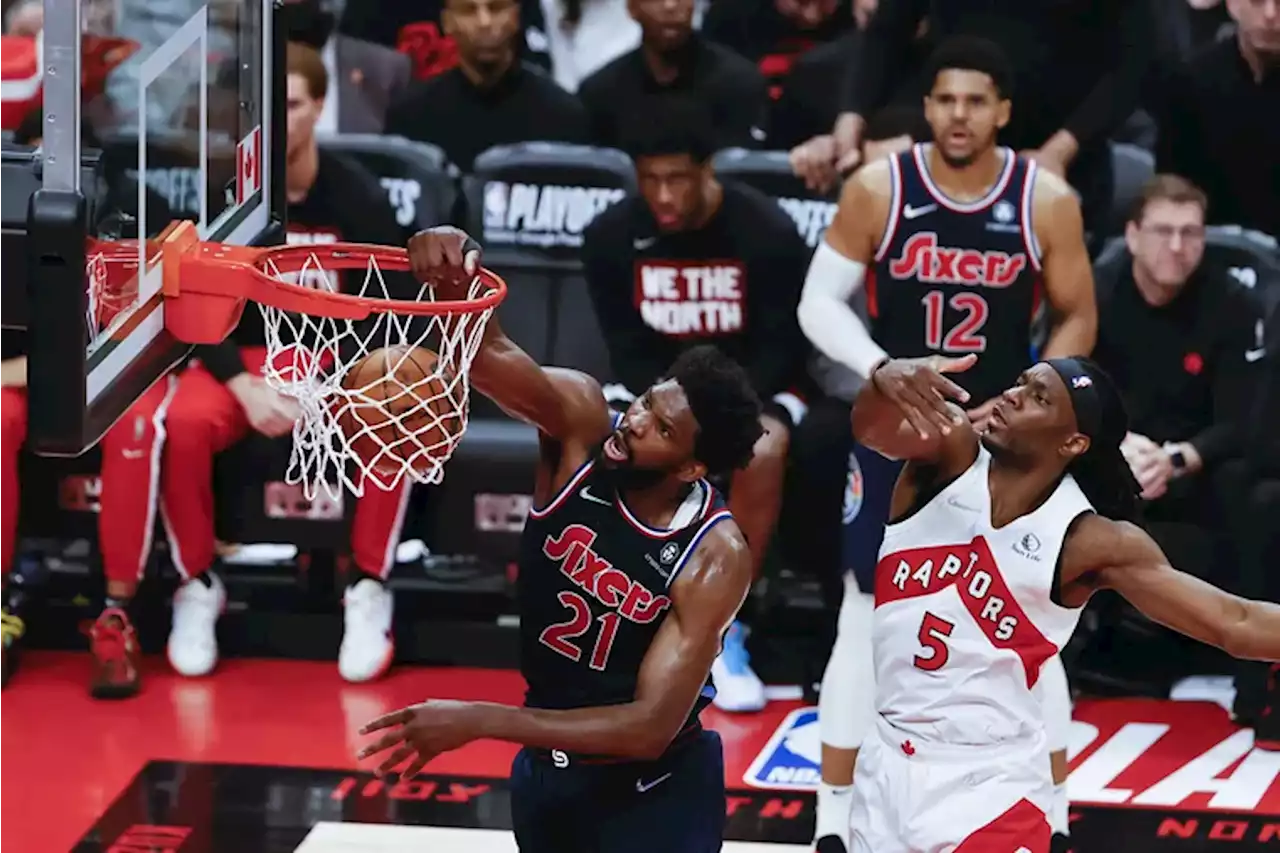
(994, 544)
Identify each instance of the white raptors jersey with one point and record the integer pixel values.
(964, 618)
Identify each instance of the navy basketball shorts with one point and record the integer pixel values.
(675, 804)
(867, 498)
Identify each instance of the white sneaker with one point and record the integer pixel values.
(193, 639)
(738, 688)
(367, 647)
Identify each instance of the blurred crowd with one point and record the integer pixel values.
(833, 84)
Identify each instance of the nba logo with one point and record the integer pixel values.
(496, 198)
(791, 760)
(1081, 381)
(249, 165)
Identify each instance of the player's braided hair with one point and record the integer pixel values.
(723, 403)
(1102, 472)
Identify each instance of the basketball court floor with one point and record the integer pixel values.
(259, 758)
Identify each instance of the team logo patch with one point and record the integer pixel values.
(669, 553)
(791, 760)
(852, 491)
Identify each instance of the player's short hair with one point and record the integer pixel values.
(971, 53)
(898, 120)
(723, 403)
(305, 61)
(667, 124)
(1164, 187)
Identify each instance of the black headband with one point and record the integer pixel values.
(1084, 394)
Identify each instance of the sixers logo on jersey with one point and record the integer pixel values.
(972, 570)
(923, 260)
(597, 576)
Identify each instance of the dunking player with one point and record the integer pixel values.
(994, 544)
(962, 237)
(631, 570)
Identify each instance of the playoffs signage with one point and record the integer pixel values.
(528, 214)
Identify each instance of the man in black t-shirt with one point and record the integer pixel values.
(673, 58)
(691, 261)
(214, 402)
(490, 97)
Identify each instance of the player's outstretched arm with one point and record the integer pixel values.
(705, 598)
(1120, 556)
(1068, 274)
(905, 412)
(566, 405)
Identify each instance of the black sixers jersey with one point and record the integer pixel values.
(593, 590)
(955, 278)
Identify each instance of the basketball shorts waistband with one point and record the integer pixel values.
(929, 748)
(560, 758)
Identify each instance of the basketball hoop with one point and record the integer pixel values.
(381, 382)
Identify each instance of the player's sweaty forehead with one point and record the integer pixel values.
(1042, 379)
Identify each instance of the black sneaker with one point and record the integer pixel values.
(11, 629)
(1060, 844)
(830, 844)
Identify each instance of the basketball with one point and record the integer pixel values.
(400, 409)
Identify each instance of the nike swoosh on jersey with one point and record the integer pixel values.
(1252, 355)
(909, 212)
(586, 495)
(642, 786)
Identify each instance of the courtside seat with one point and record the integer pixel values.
(1132, 167)
(576, 339)
(59, 496)
(417, 177)
(770, 173)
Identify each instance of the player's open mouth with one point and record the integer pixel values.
(997, 417)
(614, 448)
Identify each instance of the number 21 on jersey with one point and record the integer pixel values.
(560, 637)
(963, 337)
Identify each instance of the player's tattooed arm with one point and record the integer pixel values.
(1104, 554)
(1068, 274)
(565, 405)
(705, 598)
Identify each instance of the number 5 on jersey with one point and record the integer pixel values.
(559, 637)
(934, 631)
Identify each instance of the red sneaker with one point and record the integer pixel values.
(115, 656)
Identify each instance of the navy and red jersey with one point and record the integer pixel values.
(594, 588)
(953, 278)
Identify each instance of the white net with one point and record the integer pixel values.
(381, 399)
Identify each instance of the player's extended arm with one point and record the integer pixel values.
(564, 404)
(1132, 564)
(705, 598)
(839, 268)
(1068, 275)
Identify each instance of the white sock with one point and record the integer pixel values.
(1059, 819)
(835, 804)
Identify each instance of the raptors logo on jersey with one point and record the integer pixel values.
(965, 616)
(955, 278)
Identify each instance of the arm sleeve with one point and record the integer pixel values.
(1234, 379)
(637, 353)
(775, 341)
(828, 319)
(886, 43)
(1116, 93)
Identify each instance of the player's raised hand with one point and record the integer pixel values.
(419, 732)
(919, 388)
(445, 257)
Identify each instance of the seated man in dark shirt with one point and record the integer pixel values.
(171, 433)
(490, 98)
(673, 58)
(689, 261)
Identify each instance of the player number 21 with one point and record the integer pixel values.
(934, 631)
(964, 336)
(559, 637)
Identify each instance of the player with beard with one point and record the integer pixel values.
(957, 241)
(631, 570)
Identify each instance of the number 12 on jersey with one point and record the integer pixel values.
(559, 637)
(934, 631)
(963, 337)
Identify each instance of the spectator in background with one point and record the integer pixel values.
(490, 98)
(673, 58)
(416, 28)
(13, 434)
(182, 422)
(585, 35)
(775, 33)
(692, 260)
(1079, 66)
(367, 77)
(1181, 339)
(1219, 119)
